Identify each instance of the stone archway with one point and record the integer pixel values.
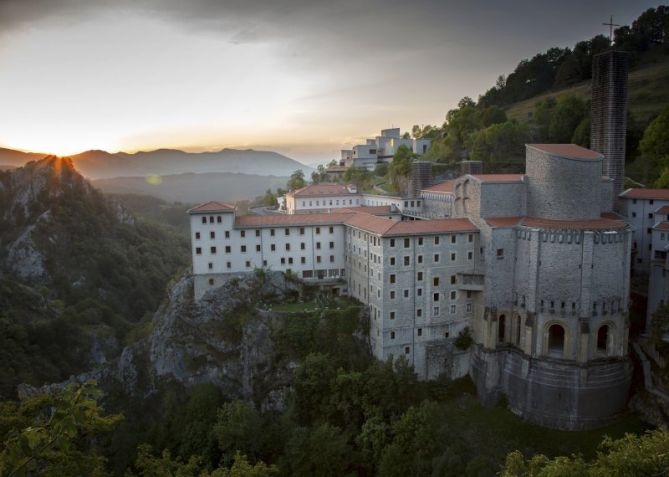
(556, 340)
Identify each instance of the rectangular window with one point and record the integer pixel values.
(212, 250)
(318, 245)
(318, 230)
(392, 334)
(452, 309)
(301, 230)
(420, 258)
(303, 260)
(392, 294)
(204, 220)
(436, 258)
(198, 251)
(243, 233)
(318, 259)
(197, 235)
(407, 261)
(331, 244)
(227, 234)
(435, 311)
(406, 293)
(470, 238)
(435, 297)
(419, 331)
(227, 249)
(218, 219)
(436, 240)
(392, 315)
(419, 276)
(283, 261)
(452, 256)
(454, 279)
(420, 240)
(243, 248)
(287, 247)
(419, 292)
(211, 265)
(302, 246)
(331, 258)
(331, 230)
(228, 264)
(435, 281)
(271, 232)
(454, 295)
(500, 253)
(272, 247)
(469, 307)
(258, 248)
(392, 261)
(248, 264)
(257, 233)
(392, 242)
(470, 255)
(453, 238)
(407, 243)
(392, 278)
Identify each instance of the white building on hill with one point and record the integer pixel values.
(382, 148)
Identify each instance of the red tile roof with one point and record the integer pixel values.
(393, 228)
(442, 187)
(603, 223)
(323, 189)
(571, 151)
(663, 226)
(664, 210)
(645, 194)
(208, 207)
(499, 177)
(291, 220)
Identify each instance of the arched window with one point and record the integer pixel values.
(501, 329)
(603, 339)
(556, 340)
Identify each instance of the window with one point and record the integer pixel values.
(243, 233)
(227, 234)
(469, 307)
(301, 230)
(419, 313)
(272, 247)
(454, 295)
(227, 249)
(435, 297)
(392, 335)
(453, 308)
(302, 246)
(453, 238)
(452, 256)
(197, 235)
(211, 281)
(204, 220)
(435, 281)
(318, 245)
(470, 255)
(633, 214)
(248, 264)
(419, 331)
(283, 261)
(420, 258)
(436, 240)
(257, 233)
(436, 258)
(407, 350)
(392, 260)
(211, 265)
(331, 258)
(407, 243)
(454, 279)
(318, 259)
(470, 238)
(419, 276)
(258, 248)
(243, 248)
(331, 230)
(420, 240)
(435, 311)
(211, 219)
(331, 244)
(392, 294)
(392, 242)
(271, 232)
(228, 264)
(287, 231)
(392, 315)
(392, 278)
(287, 247)
(419, 292)
(198, 250)
(500, 253)
(407, 261)
(406, 293)
(212, 250)
(318, 230)
(303, 260)
(218, 219)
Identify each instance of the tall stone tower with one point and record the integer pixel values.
(609, 115)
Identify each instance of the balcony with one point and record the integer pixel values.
(470, 281)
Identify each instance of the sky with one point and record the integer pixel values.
(305, 78)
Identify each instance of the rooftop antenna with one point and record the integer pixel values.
(610, 24)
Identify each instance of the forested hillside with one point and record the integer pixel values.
(547, 99)
(78, 273)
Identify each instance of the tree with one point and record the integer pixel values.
(565, 118)
(358, 176)
(296, 180)
(629, 456)
(238, 428)
(381, 169)
(56, 434)
(499, 144)
(319, 174)
(654, 148)
(319, 451)
(400, 168)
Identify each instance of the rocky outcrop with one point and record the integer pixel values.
(223, 339)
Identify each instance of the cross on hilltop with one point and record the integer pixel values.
(610, 24)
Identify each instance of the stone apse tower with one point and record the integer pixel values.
(608, 123)
(553, 333)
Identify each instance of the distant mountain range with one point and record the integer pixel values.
(96, 164)
(192, 188)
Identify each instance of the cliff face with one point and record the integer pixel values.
(223, 339)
